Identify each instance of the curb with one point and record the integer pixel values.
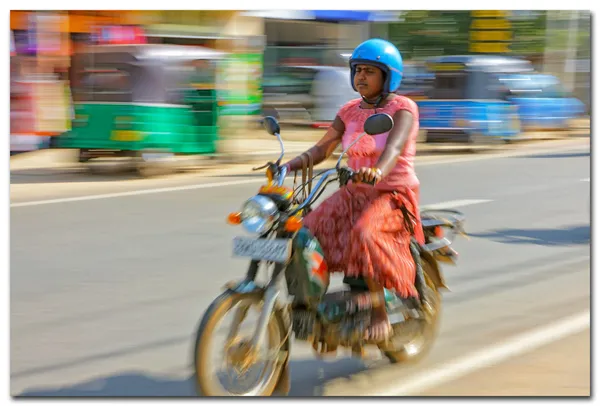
(64, 158)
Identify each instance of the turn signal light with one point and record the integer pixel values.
(293, 224)
(234, 218)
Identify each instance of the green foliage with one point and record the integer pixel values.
(423, 33)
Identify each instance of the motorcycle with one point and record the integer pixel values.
(327, 320)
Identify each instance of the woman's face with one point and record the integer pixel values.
(368, 81)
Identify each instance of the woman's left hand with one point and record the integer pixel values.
(368, 175)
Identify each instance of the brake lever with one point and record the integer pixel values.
(262, 167)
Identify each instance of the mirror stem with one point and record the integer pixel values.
(282, 148)
(346, 150)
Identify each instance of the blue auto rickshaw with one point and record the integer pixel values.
(468, 101)
(542, 102)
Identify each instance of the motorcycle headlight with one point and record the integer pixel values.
(259, 214)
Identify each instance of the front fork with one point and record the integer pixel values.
(270, 299)
(271, 293)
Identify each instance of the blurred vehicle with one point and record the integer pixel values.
(542, 102)
(288, 92)
(315, 93)
(479, 96)
(468, 102)
(331, 89)
(144, 101)
(311, 93)
(416, 81)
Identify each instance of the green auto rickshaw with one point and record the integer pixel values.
(150, 102)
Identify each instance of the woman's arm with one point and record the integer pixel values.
(396, 141)
(322, 149)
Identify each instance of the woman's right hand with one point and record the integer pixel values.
(370, 176)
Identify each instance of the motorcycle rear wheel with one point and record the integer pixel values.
(417, 348)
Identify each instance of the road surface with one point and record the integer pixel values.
(109, 279)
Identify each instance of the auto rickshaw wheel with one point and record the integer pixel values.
(150, 163)
(83, 155)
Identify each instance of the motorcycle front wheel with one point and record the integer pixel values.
(237, 350)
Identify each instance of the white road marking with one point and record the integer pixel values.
(137, 192)
(454, 204)
(585, 180)
(257, 180)
(500, 155)
(486, 357)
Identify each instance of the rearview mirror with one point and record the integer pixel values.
(379, 123)
(271, 125)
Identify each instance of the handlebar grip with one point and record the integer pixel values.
(347, 174)
(355, 180)
(371, 182)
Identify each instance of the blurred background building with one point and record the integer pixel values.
(293, 61)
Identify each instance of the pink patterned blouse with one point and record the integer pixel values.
(366, 152)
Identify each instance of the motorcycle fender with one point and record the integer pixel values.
(433, 270)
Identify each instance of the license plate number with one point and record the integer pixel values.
(277, 250)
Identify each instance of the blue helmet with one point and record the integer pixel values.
(385, 56)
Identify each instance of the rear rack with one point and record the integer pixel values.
(451, 219)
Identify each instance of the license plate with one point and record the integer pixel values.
(277, 250)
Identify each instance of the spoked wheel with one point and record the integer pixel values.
(257, 371)
(421, 341)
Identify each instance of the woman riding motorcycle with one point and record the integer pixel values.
(363, 229)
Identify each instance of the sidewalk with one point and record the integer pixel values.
(260, 147)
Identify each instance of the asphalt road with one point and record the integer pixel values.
(106, 292)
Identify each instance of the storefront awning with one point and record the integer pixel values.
(326, 15)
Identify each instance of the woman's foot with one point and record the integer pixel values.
(380, 328)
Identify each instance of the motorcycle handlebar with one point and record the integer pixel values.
(344, 174)
(353, 176)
